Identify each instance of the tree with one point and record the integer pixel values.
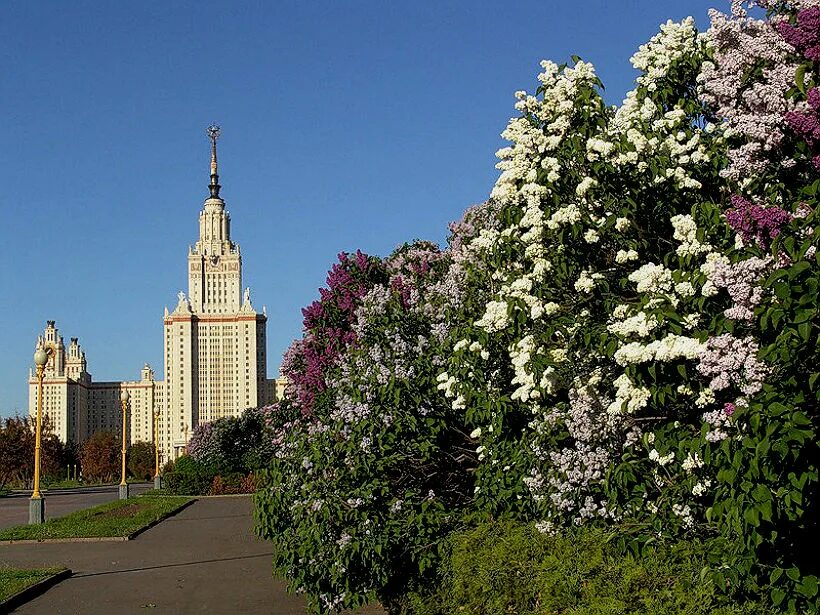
(16, 450)
(141, 460)
(100, 456)
(17, 443)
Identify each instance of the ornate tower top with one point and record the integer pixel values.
(213, 131)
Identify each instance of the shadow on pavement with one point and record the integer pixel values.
(178, 520)
(179, 565)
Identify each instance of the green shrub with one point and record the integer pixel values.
(509, 567)
(183, 483)
(189, 477)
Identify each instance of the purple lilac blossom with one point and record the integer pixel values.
(754, 222)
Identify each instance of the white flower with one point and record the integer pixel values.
(559, 355)
(638, 324)
(584, 283)
(669, 348)
(486, 239)
(628, 397)
(661, 460)
(569, 214)
(592, 236)
(706, 397)
(495, 317)
(686, 232)
(475, 433)
(541, 267)
(621, 224)
(584, 186)
(652, 278)
(692, 462)
(701, 487)
(685, 289)
(624, 256)
(551, 308)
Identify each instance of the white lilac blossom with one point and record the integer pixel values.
(652, 278)
(639, 325)
(669, 348)
(495, 317)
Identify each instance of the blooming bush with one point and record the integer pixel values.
(232, 444)
(624, 335)
(372, 473)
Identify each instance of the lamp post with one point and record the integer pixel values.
(157, 477)
(124, 397)
(37, 504)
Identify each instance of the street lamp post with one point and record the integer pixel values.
(37, 503)
(124, 397)
(157, 477)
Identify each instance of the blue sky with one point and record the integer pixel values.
(345, 125)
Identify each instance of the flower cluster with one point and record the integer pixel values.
(754, 222)
(754, 109)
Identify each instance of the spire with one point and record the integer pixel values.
(213, 132)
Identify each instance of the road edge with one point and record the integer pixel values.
(33, 591)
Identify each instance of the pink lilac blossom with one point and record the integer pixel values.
(754, 109)
(475, 219)
(200, 441)
(742, 281)
(754, 222)
(729, 360)
(570, 475)
(719, 422)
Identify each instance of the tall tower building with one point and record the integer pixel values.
(214, 353)
(215, 360)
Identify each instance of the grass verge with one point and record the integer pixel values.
(15, 580)
(115, 519)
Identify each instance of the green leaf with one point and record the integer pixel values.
(800, 78)
(808, 586)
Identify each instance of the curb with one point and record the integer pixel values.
(53, 541)
(32, 591)
(136, 533)
(130, 536)
(198, 497)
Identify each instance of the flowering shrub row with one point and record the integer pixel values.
(625, 334)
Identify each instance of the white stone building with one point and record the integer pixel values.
(214, 351)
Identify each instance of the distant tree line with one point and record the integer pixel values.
(99, 457)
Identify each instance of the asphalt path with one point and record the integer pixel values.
(59, 502)
(205, 559)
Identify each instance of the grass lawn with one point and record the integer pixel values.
(13, 580)
(118, 518)
(70, 483)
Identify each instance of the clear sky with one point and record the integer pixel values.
(345, 125)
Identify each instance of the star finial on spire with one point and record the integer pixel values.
(213, 131)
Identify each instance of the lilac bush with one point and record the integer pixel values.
(625, 334)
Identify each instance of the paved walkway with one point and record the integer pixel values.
(60, 502)
(203, 560)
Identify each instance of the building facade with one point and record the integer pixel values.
(214, 353)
